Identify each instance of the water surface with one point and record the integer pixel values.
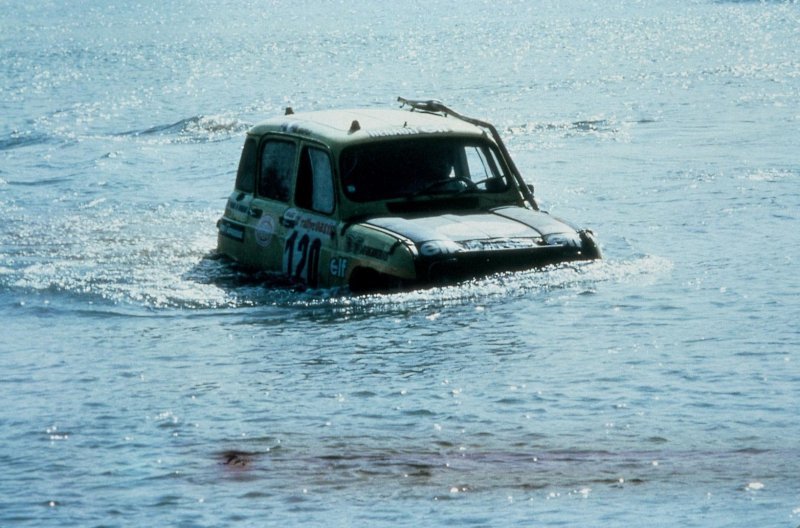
(145, 381)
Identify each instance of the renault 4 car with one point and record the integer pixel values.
(381, 199)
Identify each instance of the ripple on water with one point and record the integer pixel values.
(217, 284)
(147, 261)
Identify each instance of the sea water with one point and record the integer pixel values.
(143, 381)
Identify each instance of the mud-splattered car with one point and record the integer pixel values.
(379, 199)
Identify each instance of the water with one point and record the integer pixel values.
(143, 381)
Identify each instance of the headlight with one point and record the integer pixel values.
(563, 239)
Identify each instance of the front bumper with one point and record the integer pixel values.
(471, 264)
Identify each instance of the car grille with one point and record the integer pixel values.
(468, 264)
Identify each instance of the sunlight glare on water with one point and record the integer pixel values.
(147, 380)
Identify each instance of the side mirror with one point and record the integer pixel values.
(530, 188)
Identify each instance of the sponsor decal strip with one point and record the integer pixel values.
(407, 131)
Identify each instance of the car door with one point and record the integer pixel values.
(274, 183)
(310, 226)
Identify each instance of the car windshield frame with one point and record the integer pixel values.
(407, 168)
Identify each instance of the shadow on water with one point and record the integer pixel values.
(458, 471)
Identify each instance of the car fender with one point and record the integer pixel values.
(385, 252)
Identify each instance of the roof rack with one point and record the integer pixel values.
(437, 107)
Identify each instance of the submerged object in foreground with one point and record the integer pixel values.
(381, 199)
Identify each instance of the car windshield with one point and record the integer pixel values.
(407, 168)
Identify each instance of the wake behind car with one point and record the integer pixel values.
(380, 199)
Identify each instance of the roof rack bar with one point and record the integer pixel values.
(434, 106)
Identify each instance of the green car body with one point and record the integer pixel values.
(378, 199)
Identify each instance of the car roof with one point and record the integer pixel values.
(341, 127)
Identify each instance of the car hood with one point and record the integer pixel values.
(501, 228)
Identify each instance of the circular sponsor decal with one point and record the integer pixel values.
(264, 230)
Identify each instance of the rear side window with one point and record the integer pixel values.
(277, 169)
(246, 175)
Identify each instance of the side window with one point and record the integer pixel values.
(246, 175)
(315, 181)
(478, 164)
(277, 169)
(483, 168)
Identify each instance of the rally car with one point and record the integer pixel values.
(381, 199)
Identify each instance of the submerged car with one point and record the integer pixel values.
(381, 199)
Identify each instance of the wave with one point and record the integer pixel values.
(244, 289)
(163, 258)
(608, 129)
(42, 182)
(135, 274)
(197, 129)
(578, 278)
(17, 139)
(788, 2)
